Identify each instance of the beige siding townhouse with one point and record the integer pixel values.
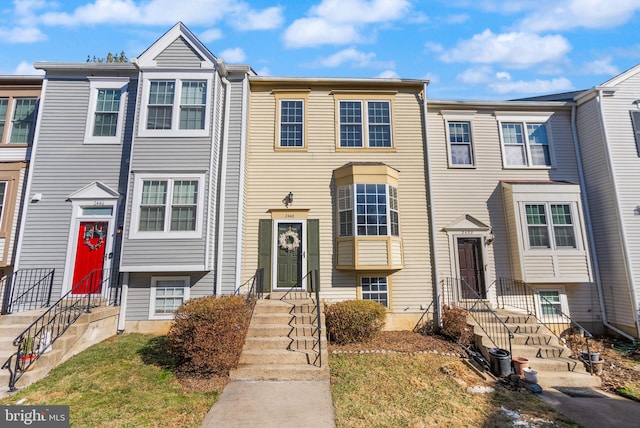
(336, 182)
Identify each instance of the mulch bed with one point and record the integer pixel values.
(402, 341)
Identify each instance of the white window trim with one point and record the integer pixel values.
(175, 131)
(95, 84)
(364, 111)
(152, 294)
(135, 233)
(3, 207)
(577, 233)
(459, 116)
(564, 303)
(304, 136)
(354, 209)
(388, 292)
(524, 119)
(12, 109)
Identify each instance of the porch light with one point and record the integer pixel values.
(288, 200)
(488, 240)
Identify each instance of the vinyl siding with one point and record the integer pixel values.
(272, 174)
(60, 149)
(13, 236)
(373, 253)
(139, 293)
(605, 221)
(179, 54)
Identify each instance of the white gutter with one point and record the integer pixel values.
(241, 181)
(123, 302)
(223, 178)
(587, 213)
(432, 220)
(30, 158)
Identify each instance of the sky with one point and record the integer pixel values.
(467, 49)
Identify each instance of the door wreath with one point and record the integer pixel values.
(289, 240)
(94, 231)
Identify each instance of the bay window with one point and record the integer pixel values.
(550, 225)
(376, 210)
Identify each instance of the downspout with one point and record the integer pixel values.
(223, 177)
(433, 245)
(587, 214)
(123, 302)
(241, 180)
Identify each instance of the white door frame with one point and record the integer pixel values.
(274, 252)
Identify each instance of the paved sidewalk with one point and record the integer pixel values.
(267, 404)
(600, 409)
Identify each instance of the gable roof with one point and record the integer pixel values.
(148, 57)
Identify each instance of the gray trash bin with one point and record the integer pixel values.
(500, 362)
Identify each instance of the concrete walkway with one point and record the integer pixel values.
(594, 408)
(267, 404)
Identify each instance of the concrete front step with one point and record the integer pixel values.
(277, 306)
(568, 379)
(556, 365)
(284, 318)
(534, 339)
(540, 351)
(280, 372)
(270, 330)
(277, 356)
(279, 342)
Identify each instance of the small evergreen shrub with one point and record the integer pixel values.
(207, 335)
(454, 324)
(353, 321)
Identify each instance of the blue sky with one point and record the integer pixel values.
(468, 49)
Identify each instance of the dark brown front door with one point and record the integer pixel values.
(471, 268)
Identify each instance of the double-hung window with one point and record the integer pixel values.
(175, 106)
(3, 194)
(376, 210)
(550, 225)
(460, 147)
(525, 144)
(107, 101)
(168, 207)
(23, 120)
(375, 288)
(168, 293)
(365, 124)
(4, 106)
(291, 123)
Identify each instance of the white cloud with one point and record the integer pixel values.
(476, 75)
(21, 35)
(24, 23)
(567, 14)
(25, 68)
(434, 47)
(264, 71)
(211, 35)
(233, 55)
(601, 66)
(389, 74)
(355, 58)
(513, 50)
(342, 21)
(431, 77)
(315, 31)
(538, 86)
(167, 12)
(457, 19)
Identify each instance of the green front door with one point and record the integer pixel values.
(289, 256)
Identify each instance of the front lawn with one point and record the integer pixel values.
(125, 381)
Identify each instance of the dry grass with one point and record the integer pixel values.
(426, 390)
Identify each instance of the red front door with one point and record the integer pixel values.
(92, 241)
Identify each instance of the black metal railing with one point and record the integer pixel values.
(315, 287)
(252, 288)
(37, 339)
(494, 329)
(26, 289)
(518, 295)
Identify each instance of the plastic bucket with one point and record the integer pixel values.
(530, 375)
(500, 362)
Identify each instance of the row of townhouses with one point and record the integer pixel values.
(183, 175)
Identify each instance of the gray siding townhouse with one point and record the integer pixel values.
(608, 127)
(507, 205)
(138, 169)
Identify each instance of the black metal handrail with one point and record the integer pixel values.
(519, 295)
(496, 331)
(26, 289)
(315, 286)
(38, 338)
(254, 291)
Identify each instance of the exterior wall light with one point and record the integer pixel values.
(288, 200)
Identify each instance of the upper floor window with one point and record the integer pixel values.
(291, 123)
(106, 110)
(460, 147)
(525, 144)
(167, 206)
(3, 193)
(550, 225)
(635, 121)
(376, 210)
(369, 128)
(173, 106)
(18, 117)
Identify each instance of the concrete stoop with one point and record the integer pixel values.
(88, 330)
(282, 343)
(553, 361)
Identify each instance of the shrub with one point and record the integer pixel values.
(354, 320)
(454, 324)
(207, 335)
